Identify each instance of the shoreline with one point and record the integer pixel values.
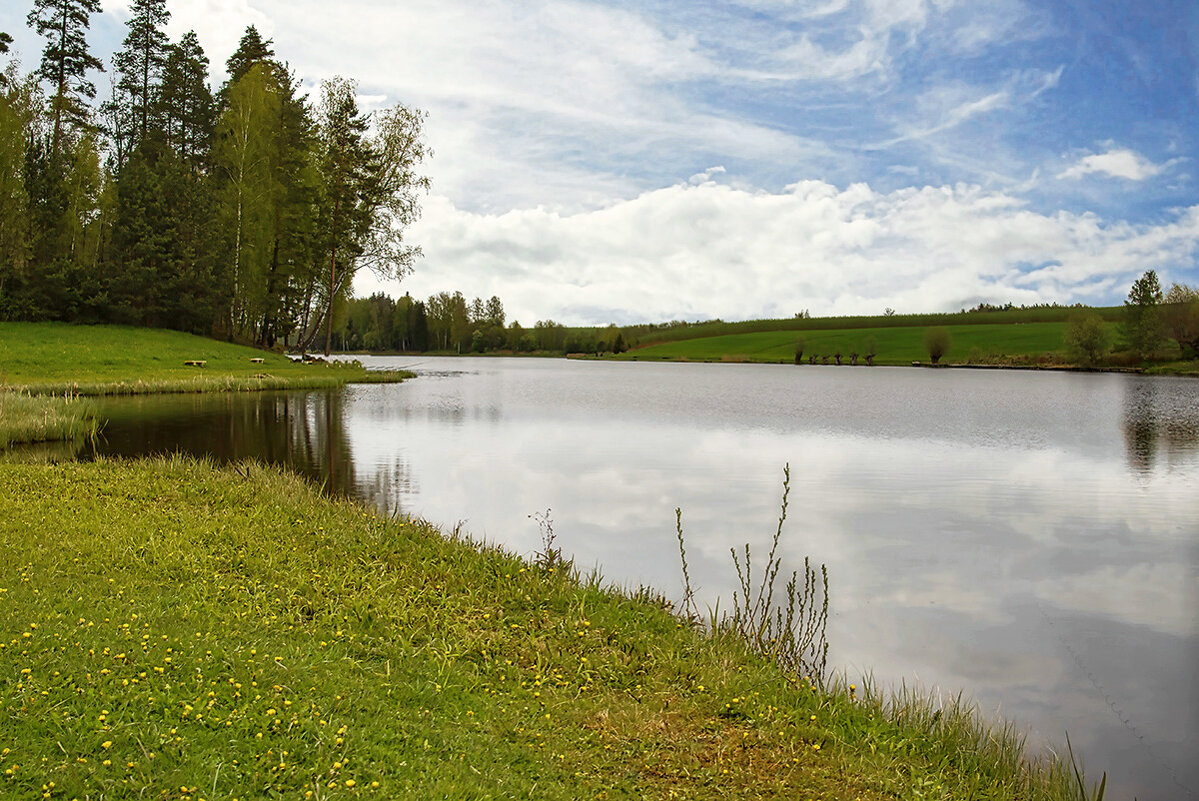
(404, 659)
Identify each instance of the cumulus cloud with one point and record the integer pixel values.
(1116, 163)
(699, 250)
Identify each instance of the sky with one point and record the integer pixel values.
(620, 162)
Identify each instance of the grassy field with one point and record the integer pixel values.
(44, 367)
(902, 345)
(649, 335)
(106, 359)
(171, 630)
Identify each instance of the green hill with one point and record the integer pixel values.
(1029, 342)
(110, 359)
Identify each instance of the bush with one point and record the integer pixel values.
(1087, 339)
(936, 342)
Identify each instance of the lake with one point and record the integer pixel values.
(1029, 538)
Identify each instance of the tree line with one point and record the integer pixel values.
(241, 213)
(448, 322)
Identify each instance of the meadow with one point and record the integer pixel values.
(46, 367)
(983, 344)
(174, 630)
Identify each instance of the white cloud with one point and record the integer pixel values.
(697, 251)
(1116, 163)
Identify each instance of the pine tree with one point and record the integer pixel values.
(186, 105)
(1142, 327)
(141, 60)
(251, 49)
(65, 60)
(5, 41)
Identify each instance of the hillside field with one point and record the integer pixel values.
(110, 359)
(897, 345)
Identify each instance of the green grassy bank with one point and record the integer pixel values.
(114, 360)
(45, 366)
(171, 630)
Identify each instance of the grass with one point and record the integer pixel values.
(45, 366)
(173, 630)
(25, 418)
(984, 343)
(112, 360)
(1044, 314)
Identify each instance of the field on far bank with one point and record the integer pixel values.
(173, 629)
(989, 343)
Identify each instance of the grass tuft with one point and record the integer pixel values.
(25, 418)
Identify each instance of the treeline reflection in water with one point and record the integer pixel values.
(1161, 422)
(307, 432)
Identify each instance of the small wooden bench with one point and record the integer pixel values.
(195, 363)
(257, 360)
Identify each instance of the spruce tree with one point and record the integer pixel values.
(66, 60)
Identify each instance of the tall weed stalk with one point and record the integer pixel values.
(788, 629)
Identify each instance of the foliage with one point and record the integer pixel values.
(1087, 339)
(66, 60)
(231, 633)
(936, 342)
(217, 215)
(1180, 316)
(1142, 327)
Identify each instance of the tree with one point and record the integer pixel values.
(370, 190)
(140, 63)
(495, 311)
(1142, 328)
(5, 41)
(19, 104)
(1180, 314)
(185, 103)
(251, 49)
(1087, 339)
(65, 60)
(936, 342)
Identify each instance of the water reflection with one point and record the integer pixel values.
(1160, 416)
(1032, 538)
(306, 431)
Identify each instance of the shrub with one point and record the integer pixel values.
(936, 342)
(1087, 340)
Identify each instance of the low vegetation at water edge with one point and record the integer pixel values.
(25, 418)
(176, 630)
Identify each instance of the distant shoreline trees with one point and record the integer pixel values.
(242, 214)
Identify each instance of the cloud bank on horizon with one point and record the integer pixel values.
(616, 161)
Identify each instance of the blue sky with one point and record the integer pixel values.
(628, 161)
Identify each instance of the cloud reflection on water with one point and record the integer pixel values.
(995, 542)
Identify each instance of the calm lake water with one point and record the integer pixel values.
(1030, 538)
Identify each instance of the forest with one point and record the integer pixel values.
(240, 212)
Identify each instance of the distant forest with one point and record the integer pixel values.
(241, 212)
(448, 322)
